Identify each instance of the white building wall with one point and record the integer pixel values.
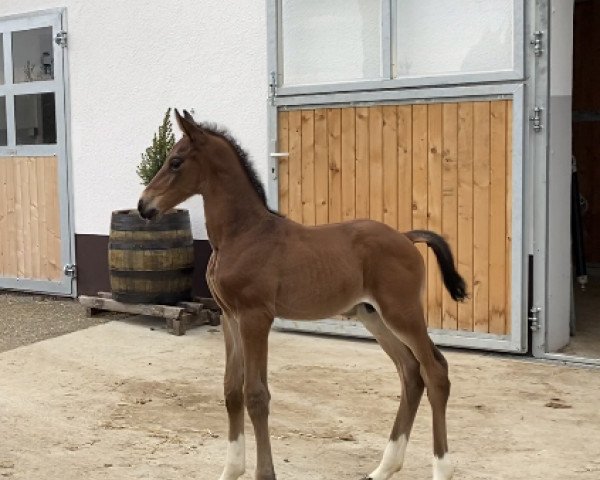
(130, 60)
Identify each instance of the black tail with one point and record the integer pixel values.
(452, 279)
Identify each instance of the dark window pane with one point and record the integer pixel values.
(1, 59)
(35, 119)
(3, 121)
(33, 56)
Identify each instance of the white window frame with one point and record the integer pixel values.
(388, 42)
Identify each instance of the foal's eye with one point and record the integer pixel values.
(176, 163)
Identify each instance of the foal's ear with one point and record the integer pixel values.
(187, 124)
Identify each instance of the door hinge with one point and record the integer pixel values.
(536, 43)
(272, 88)
(70, 270)
(536, 119)
(61, 38)
(534, 318)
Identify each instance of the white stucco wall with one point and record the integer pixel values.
(129, 61)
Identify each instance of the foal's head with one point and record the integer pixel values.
(186, 170)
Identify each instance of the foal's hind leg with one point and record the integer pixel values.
(412, 390)
(408, 323)
(235, 465)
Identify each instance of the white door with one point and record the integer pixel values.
(36, 238)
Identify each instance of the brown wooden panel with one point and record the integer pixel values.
(334, 130)
(321, 168)
(404, 167)
(390, 166)
(3, 220)
(284, 177)
(508, 255)
(464, 249)
(295, 165)
(481, 215)
(308, 168)
(444, 167)
(29, 218)
(362, 162)
(348, 163)
(450, 201)
(419, 169)
(376, 163)
(497, 286)
(434, 211)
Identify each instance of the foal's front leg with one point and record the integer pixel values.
(254, 329)
(235, 465)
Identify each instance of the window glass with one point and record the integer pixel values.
(3, 132)
(33, 56)
(331, 41)
(35, 119)
(451, 37)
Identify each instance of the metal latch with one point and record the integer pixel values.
(272, 88)
(536, 42)
(536, 119)
(61, 38)
(534, 318)
(70, 270)
(277, 155)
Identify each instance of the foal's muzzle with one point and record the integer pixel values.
(146, 212)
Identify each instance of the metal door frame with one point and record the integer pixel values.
(463, 88)
(55, 18)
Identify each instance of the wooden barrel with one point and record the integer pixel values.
(151, 262)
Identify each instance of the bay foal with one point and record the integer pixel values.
(264, 266)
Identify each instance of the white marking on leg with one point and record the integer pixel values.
(443, 468)
(235, 464)
(392, 461)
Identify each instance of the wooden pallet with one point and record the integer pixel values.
(202, 311)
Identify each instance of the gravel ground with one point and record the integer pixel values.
(26, 318)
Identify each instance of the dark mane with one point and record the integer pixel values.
(242, 156)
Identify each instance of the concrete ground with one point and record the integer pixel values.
(124, 401)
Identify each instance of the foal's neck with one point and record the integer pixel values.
(232, 206)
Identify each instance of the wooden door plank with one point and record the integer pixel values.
(348, 163)
(52, 202)
(34, 218)
(390, 166)
(362, 162)
(404, 167)
(434, 211)
(334, 134)
(283, 162)
(295, 165)
(308, 168)
(3, 217)
(497, 275)
(45, 274)
(508, 245)
(376, 163)
(11, 217)
(450, 202)
(321, 167)
(19, 216)
(464, 251)
(481, 215)
(419, 178)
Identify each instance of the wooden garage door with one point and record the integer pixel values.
(442, 166)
